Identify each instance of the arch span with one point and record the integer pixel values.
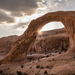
(27, 39)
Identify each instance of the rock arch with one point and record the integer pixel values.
(27, 39)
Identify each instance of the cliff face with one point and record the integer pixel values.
(51, 41)
(24, 42)
(6, 43)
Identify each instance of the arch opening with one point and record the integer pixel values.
(52, 26)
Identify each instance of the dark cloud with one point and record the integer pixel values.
(16, 7)
(5, 17)
(21, 25)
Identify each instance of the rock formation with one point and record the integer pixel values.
(6, 43)
(51, 41)
(27, 39)
(45, 41)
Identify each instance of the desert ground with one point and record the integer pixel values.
(47, 64)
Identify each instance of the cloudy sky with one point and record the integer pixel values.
(15, 15)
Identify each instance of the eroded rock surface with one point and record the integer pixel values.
(27, 39)
(6, 43)
(51, 41)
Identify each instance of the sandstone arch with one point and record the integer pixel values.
(27, 39)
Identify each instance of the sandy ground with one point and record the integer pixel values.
(45, 66)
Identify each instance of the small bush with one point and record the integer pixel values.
(50, 54)
(45, 72)
(47, 56)
(19, 73)
(37, 66)
(59, 52)
(73, 57)
(30, 67)
(50, 67)
(1, 71)
(73, 74)
(22, 66)
(25, 74)
(47, 66)
(41, 67)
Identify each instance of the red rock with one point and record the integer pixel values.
(6, 43)
(51, 41)
(24, 43)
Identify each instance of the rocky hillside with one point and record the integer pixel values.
(6, 43)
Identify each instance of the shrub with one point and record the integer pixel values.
(30, 67)
(73, 57)
(59, 52)
(50, 67)
(73, 74)
(19, 73)
(25, 74)
(37, 66)
(1, 71)
(45, 72)
(47, 56)
(41, 67)
(47, 66)
(50, 54)
(22, 66)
